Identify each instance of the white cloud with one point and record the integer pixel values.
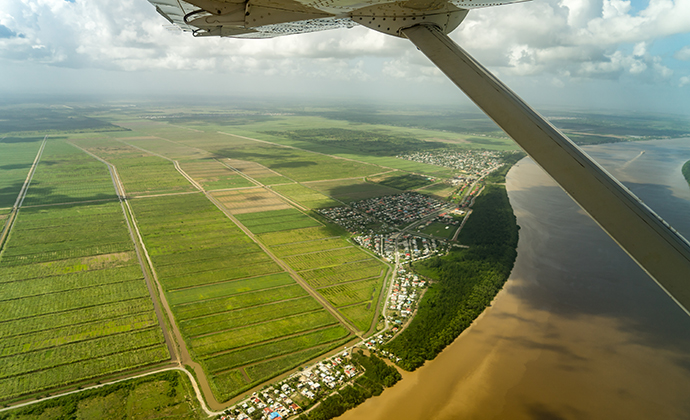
(685, 80)
(561, 39)
(683, 54)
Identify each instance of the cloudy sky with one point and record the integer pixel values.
(582, 54)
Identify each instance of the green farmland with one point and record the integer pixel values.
(75, 305)
(330, 264)
(16, 156)
(66, 174)
(142, 173)
(228, 297)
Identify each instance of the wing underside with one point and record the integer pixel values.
(272, 18)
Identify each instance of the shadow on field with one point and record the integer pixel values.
(38, 195)
(13, 166)
(360, 191)
(295, 164)
(8, 195)
(258, 156)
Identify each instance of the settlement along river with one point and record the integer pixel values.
(579, 331)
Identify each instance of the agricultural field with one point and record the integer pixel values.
(16, 156)
(250, 200)
(75, 304)
(167, 148)
(295, 164)
(440, 230)
(66, 174)
(162, 395)
(348, 190)
(401, 181)
(256, 171)
(228, 297)
(305, 196)
(276, 220)
(141, 173)
(349, 278)
(213, 175)
(440, 190)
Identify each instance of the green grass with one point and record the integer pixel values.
(309, 246)
(309, 234)
(361, 315)
(686, 171)
(349, 293)
(343, 273)
(217, 276)
(261, 352)
(218, 290)
(239, 301)
(439, 230)
(276, 220)
(257, 333)
(265, 370)
(326, 258)
(237, 318)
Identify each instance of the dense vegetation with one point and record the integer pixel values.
(377, 376)
(686, 171)
(41, 119)
(466, 280)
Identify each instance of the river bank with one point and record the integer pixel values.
(579, 331)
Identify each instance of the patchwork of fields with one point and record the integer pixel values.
(141, 173)
(243, 318)
(74, 305)
(349, 190)
(213, 175)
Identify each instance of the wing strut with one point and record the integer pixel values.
(661, 251)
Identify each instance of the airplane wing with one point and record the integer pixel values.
(272, 18)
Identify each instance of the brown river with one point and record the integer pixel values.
(579, 331)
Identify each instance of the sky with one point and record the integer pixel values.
(570, 54)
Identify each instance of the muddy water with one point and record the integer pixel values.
(579, 331)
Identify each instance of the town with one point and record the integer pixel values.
(475, 163)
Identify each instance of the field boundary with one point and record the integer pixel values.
(22, 194)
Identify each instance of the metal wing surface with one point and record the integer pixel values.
(271, 18)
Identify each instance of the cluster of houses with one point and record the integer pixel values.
(272, 403)
(404, 296)
(348, 218)
(410, 247)
(277, 401)
(399, 209)
(472, 162)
